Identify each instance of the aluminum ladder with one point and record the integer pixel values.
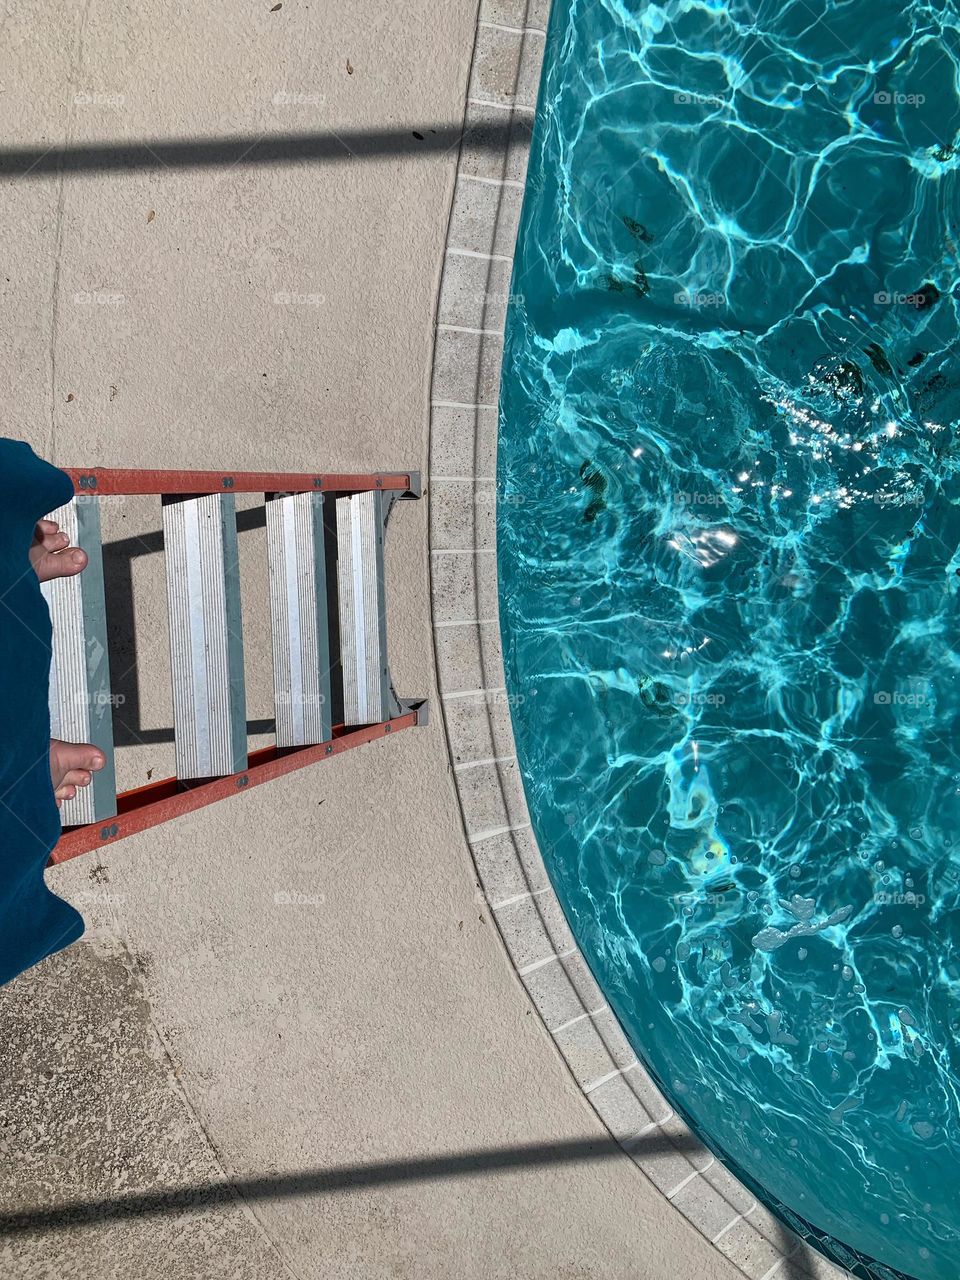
(331, 675)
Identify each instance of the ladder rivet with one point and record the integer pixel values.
(228, 482)
(242, 782)
(379, 483)
(104, 833)
(318, 482)
(386, 728)
(328, 751)
(88, 482)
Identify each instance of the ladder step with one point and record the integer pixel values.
(206, 641)
(298, 613)
(80, 696)
(362, 606)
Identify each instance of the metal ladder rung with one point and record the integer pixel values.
(299, 621)
(80, 696)
(362, 605)
(206, 643)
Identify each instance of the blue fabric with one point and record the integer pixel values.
(33, 921)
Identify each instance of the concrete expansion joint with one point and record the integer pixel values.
(519, 31)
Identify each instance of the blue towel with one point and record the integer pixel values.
(33, 921)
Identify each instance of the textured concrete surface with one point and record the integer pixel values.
(293, 1044)
(91, 1110)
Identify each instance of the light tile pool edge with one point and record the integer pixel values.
(476, 710)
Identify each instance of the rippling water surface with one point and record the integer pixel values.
(730, 557)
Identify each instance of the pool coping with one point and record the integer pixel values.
(461, 494)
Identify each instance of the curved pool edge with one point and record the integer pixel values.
(476, 712)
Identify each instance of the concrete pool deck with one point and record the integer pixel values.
(292, 1044)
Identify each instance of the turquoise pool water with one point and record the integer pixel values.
(730, 559)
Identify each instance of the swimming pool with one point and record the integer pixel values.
(729, 551)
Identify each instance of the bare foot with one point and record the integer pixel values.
(52, 555)
(72, 765)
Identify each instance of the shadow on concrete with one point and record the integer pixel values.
(335, 1181)
(250, 149)
(118, 558)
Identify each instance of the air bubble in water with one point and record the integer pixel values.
(897, 931)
